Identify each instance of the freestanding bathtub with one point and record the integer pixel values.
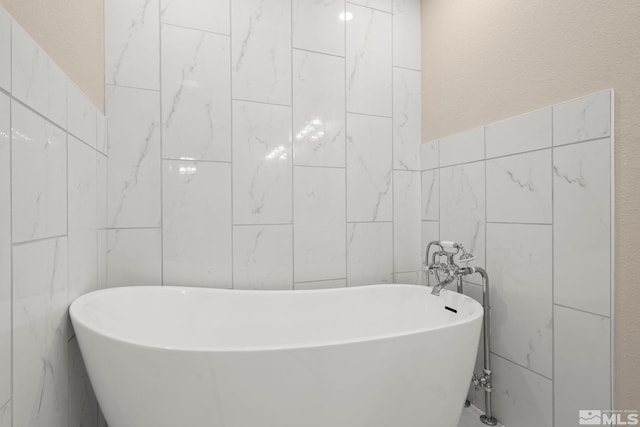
(371, 356)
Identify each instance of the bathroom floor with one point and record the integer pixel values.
(471, 418)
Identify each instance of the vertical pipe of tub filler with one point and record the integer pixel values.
(488, 418)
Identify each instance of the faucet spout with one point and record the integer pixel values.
(437, 288)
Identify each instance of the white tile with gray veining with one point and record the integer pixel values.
(369, 253)
(384, 5)
(319, 226)
(409, 278)
(5, 51)
(81, 116)
(407, 119)
(263, 257)
(321, 284)
(407, 222)
(369, 168)
(206, 15)
(519, 257)
(581, 382)
(429, 154)
(462, 147)
(101, 133)
(261, 163)
(134, 157)
(83, 406)
(196, 95)
(40, 333)
(582, 226)
(318, 109)
(369, 61)
(5, 260)
(196, 226)
(527, 132)
(431, 195)
(132, 43)
(101, 191)
(101, 264)
(261, 50)
(583, 119)
(519, 188)
(134, 257)
(319, 26)
(430, 232)
(39, 176)
(407, 34)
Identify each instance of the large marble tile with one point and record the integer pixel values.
(431, 195)
(36, 79)
(519, 188)
(101, 133)
(81, 116)
(582, 226)
(39, 176)
(369, 168)
(407, 34)
(40, 334)
(196, 226)
(263, 257)
(582, 119)
(83, 237)
(527, 132)
(321, 284)
(369, 61)
(132, 43)
(429, 154)
(101, 191)
(521, 398)
(5, 51)
(5, 261)
(463, 147)
(83, 406)
(134, 157)
(319, 226)
(407, 224)
(369, 253)
(261, 50)
(261, 163)
(318, 109)
(430, 232)
(384, 5)
(196, 95)
(519, 261)
(206, 15)
(102, 259)
(134, 257)
(582, 370)
(407, 119)
(409, 278)
(462, 208)
(319, 25)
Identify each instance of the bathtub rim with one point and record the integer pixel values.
(76, 304)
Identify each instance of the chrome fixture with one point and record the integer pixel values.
(446, 273)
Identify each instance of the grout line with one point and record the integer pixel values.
(321, 280)
(320, 167)
(260, 102)
(553, 280)
(367, 114)
(107, 85)
(369, 7)
(132, 228)
(519, 223)
(11, 258)
(407, 68)
(42, 239)
(184, 27)
(231, 118)
(317, 52)
(195, 160)
(581, 310)
(161, 137)
(522, 366)
(346, 151)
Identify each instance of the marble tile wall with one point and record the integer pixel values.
(53, 168)
(531, 197)
(263, 145)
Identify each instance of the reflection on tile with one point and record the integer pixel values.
(519, 188)
(319, 224)
(5, 53)
(40, 333)
(261, 50)
(385, 5)
(134, 157)
(83, 407)
(261, 163)
(580, 382)
(519, 261)
(582, 119)
(319, 26)
(196, 95)
(582, 226)
(462, 147)
(407, 119)
(134, 257)
(39, 177)
(368, 54)
(132, 43)
(430, 155)
(318, 109)
(5, 260)
(521, 397)
(369, 168)
(431, 195)
(406, 34)
(207, 15)
(531, 131)
(322, 284)
(407, 224)
(369, 253)
(196, 227)
(81, 116)
(263, 257)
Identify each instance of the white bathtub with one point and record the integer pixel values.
(371, 356)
